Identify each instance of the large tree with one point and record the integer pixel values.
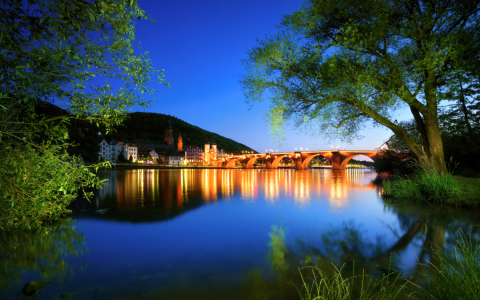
(55, 50)
(343, 63)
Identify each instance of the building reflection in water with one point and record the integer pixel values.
(168, 189)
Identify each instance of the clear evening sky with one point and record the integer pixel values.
(200, 44)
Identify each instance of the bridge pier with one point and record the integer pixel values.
(336, 162)
(299, 163)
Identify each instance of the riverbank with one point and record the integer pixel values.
(458, 191)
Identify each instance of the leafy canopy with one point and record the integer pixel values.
(340, 64)
(55, 50)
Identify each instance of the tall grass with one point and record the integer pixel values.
(456, 273)
(338, 287)
(428, 186)
(451, 274)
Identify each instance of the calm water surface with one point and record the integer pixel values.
(222, 234)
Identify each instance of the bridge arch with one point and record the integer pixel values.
(251, 161)
(307, 160)
(347, 159)
(231, 163)
(276, 160)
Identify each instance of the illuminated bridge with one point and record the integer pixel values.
(338, 158)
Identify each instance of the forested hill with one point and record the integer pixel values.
(141, 125)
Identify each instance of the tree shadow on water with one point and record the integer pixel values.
(347, 251)
(39, 253)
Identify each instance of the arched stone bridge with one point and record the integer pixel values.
(338, 158)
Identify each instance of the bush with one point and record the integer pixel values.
(394, 163)
(427, 186)
(438, 188)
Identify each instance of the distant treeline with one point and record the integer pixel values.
(141, 125)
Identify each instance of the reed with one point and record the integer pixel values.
(455, 273)
(451, 274)
(320, 286)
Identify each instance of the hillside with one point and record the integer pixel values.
(141, 125)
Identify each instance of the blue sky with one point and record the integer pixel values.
(200, 44)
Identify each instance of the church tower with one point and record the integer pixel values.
(214, 146)
(180, 143)
(169, 135)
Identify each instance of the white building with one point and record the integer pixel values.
(175, 158)
(111, 149)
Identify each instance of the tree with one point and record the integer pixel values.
(121, 157)
(130, 159)
(52, 50)
(160, 160)
(344, 63)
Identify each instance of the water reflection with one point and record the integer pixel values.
(355, 251)
(43, 254)
(164, 194)
(201, 234)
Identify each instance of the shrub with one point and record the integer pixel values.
(428, 186)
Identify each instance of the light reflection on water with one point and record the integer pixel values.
(207, 234)
(140, 186)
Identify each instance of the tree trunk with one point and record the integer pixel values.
(434, 160)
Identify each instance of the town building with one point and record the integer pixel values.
(213, 153)
(175, 158)
(111, 149)
(145, 153)
(194, 155)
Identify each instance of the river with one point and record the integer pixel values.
(224, 234)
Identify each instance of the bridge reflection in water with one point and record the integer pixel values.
(176, 189)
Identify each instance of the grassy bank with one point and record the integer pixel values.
(430, 187)
(451, 274)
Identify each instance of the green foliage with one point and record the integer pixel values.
(54, 50)
(121, 157)
(140, 125)
(394, 162)
(387, 188)
(429, 187)
(385, 56)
